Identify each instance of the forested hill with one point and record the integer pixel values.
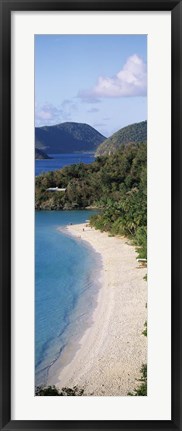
(67, 138)
(133, 133)
(39, 154)
(117, 184)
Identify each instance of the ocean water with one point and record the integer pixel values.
(66, 287)
(60, 160)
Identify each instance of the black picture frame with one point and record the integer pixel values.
(6, 6)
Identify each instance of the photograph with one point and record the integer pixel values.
(90, 215)
(91, 296)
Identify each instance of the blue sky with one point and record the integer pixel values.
(95, 79)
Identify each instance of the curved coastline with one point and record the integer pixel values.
(68, 292)
(111, 351)
(81, 317)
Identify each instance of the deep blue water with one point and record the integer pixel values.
(60, 160)
(65, 286)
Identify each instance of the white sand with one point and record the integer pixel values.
(112, 350)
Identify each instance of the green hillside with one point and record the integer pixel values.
(133, 133)
(67, 138)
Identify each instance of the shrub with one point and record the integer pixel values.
(52, 391)
(142, 389)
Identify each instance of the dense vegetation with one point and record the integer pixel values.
(141, 390)
(52, 391)
(133, 133)
(39, 154)
(116, 184)
(67, 138)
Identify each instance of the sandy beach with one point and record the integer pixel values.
(113, 349)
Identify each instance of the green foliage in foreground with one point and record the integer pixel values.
(127, 214)
(142, 389)
(116, 184)
(52, 391)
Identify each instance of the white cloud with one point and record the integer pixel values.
(130, 81)
(49, 114)
(44, 115)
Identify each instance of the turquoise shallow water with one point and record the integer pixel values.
(65, 287)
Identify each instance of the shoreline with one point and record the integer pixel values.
(112, 349)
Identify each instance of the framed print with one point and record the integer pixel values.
(90, 215)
